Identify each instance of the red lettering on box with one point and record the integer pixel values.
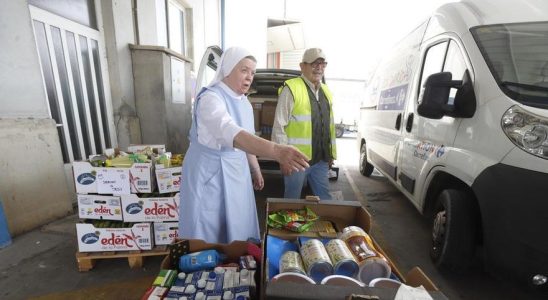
(103, 210)
(159, 210)
(116, 240)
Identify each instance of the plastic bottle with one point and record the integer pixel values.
(372, 263)
(197, 261)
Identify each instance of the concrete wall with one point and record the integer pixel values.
(162, 120)
(33, 185)
(119, 28)
(32, 180)
(119, 31)
(22, 92)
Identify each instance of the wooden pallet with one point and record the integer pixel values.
(86, 260)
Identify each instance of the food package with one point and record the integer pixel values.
(299, 220)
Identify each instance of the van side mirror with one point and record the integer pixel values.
(435, 101)
(436, 95)
(465, 99)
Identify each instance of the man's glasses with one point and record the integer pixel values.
(318, 64)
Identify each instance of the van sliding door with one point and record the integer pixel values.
(426, 141)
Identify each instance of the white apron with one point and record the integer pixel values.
(217, 198)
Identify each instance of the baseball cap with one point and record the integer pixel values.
(311, 54)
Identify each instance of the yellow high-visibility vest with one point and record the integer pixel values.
(299, 128)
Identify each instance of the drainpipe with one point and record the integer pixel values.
(135, 22)
(223, 25)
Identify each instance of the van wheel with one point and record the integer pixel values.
(365, 168)
(453, 231)
(339, 130)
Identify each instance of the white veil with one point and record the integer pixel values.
(230, 58)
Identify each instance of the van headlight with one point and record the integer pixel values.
(527, 131)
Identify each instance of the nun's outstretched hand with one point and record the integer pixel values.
(291, 159)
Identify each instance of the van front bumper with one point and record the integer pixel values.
(514, 211)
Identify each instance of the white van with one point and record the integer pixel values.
(457, 118)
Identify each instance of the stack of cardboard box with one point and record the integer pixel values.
(122, 208)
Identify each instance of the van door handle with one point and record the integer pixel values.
(398, 122)
(409, 123)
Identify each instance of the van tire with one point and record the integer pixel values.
(453, 231)
(365, 168)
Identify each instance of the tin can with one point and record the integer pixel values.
(342, 259)
(372, 264)
(291, 261)
(316, 260)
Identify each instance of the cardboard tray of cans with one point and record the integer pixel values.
(341, 214)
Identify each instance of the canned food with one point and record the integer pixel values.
(359, 243)
(316, 260)
(372, 264)
(373, 268)
(342, 259)
(291, 261)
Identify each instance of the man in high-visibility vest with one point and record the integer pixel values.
(304, 119)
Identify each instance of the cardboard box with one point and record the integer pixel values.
(93, 239)
(169, 179)
(153, 209)
(233, 251)
(85, 177)
(257, 110)
(341, 214)
(99, 207)
(268, 112)
(165, 233)
(98, 180)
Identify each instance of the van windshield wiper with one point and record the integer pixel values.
(524, 86)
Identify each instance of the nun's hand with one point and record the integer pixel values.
(258, 180)
(291, 159)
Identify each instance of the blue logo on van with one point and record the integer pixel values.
(441, 151)
(90, 238)
(85, 178)
(134, 208)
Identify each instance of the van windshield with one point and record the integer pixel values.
(517, 55)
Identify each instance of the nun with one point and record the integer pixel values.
(220, 168)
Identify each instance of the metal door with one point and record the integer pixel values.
(73, 63)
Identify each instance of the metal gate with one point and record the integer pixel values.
(73, 63)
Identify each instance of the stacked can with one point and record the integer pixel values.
(342, 259)
(372, 263)
(291, 261)
(316, 260)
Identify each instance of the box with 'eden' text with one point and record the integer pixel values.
(100, 207)
(94, 239)
(150, 209)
